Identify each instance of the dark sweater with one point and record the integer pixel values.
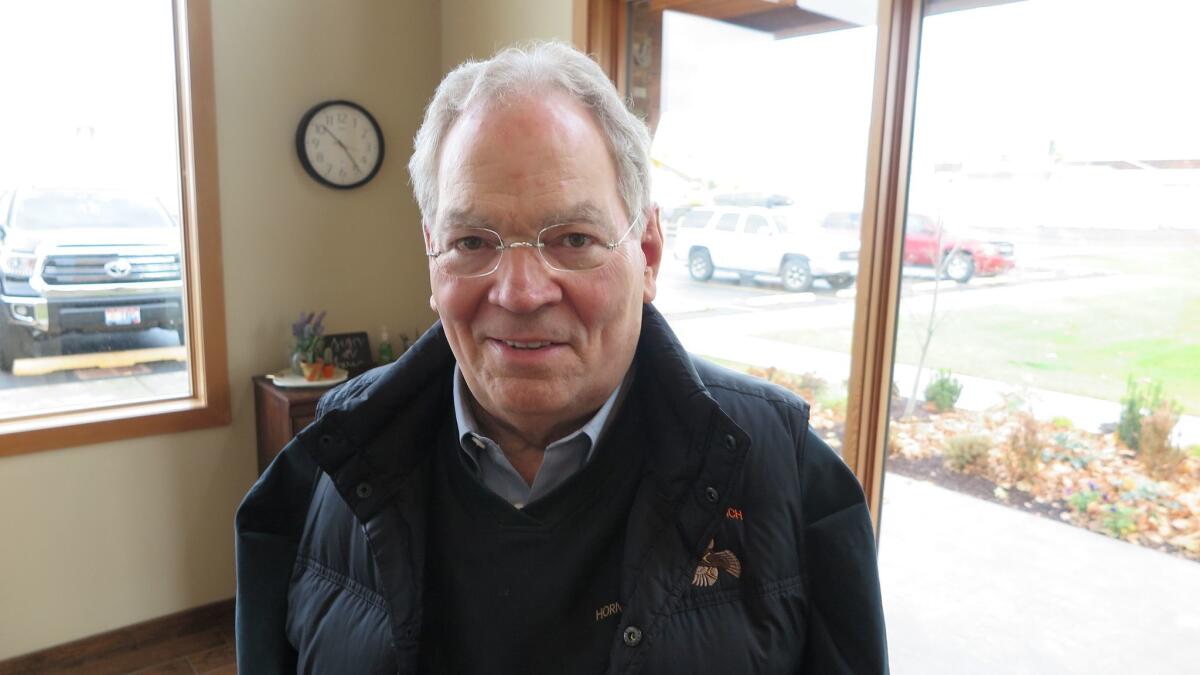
(533, 590)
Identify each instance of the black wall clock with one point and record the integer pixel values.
(339, 144)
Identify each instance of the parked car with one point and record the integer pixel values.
(961, 257)
(84, 262)
(756, 240)
(752, 199)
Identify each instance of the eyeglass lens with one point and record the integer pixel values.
(565, 247)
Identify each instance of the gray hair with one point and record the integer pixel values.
(528, 69)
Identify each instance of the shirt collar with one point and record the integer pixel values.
(468, 426)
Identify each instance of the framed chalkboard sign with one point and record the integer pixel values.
(351, 351)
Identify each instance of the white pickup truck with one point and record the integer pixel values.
(754, 240)
(75, 261)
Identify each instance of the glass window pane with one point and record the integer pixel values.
(91, 278)
(1041, 510)
(755, 224)
(767, 125)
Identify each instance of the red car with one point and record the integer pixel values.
(961, 257)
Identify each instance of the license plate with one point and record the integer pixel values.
(122, 316)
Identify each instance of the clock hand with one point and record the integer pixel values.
(342, 146)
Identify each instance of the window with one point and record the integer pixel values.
(697, 218)
(1047, 388)
(754, 223)
(1020, 338)
(800, 156)
(111, 320)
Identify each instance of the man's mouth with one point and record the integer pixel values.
(527, 345)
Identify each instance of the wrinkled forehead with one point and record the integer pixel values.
(579, 213)
(530, 161)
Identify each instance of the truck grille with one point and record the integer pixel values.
(67, 269)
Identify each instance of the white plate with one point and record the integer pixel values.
(286, 378)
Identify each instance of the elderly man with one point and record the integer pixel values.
(546, 482)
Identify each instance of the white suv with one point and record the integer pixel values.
(755, 240)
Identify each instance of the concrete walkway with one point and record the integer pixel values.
(974, 587)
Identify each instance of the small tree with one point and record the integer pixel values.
(1158, 454)
(931, 323)
(1024, 446)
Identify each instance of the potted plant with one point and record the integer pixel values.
(308, 352)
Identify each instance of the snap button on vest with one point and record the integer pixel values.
(326, 441)
(363, 490)
(730, 442)
(632, 636)
(711, 494)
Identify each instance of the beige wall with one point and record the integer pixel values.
(98, 537)
(473, 29)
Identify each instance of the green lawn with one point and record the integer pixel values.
(1086, 345)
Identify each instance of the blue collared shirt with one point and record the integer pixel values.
(562, 458)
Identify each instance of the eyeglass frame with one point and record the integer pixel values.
(536, 244)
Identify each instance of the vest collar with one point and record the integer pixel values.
(373, 435)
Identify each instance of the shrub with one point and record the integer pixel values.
(1062, 423)
(966, 451)
(1136, 404)
(807, 385)
(833, 401)
(1157, 454)
(943, 391)
(1024, 447)
(1119, 521)
(1080, 501)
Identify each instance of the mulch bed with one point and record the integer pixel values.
(1082, 478)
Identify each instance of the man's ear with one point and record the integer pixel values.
(432, 297)
(652, 248)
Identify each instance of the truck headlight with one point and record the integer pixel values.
(18, 264)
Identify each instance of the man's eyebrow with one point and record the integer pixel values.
(465, 218)
(583, 212)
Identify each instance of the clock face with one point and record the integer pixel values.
(340, 144)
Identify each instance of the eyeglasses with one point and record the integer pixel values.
(566, 247)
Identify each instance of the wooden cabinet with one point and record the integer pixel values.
(280, 414)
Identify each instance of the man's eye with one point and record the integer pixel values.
(467, 244)
(575, 240)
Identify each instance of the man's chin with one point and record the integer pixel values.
(530, 401)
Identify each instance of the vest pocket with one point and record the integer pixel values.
(697, 596)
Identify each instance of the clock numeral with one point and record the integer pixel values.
(341, 117)
(364, 134)
(328, 169)
(354, 122)
(314, 142)
(328, 120)
(319, 157)
(364, 159)
(342, 172)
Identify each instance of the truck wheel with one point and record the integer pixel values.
(797, 276)
(960, 267)
(14, 344)
(700, 265)
(838, 283)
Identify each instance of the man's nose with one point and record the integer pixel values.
(523, 282)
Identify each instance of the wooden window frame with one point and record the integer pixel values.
(605, 37)
(208, 404)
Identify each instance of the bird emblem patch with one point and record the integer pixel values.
(712, 562)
